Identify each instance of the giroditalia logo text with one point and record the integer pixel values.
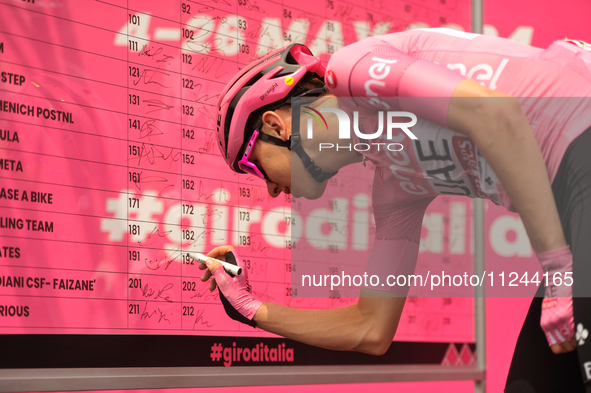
(392, 122)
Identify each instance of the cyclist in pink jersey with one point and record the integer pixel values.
(531, 160)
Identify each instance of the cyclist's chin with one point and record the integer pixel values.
(307, 191)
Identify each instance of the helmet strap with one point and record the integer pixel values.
(315, 171)
(273, 140)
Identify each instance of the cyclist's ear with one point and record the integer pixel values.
(276, 123)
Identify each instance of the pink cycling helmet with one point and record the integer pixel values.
(269, 82)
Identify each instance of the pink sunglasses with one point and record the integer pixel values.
(249, 167)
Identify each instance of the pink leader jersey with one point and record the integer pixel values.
(430, 63)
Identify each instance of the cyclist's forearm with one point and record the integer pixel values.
(367, 326)
(339, 328)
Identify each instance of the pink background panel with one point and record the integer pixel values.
(63, 283)
(79, 145)
(213, 65)
(70, 314)
(87, 256)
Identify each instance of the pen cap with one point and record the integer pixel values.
(231, 258)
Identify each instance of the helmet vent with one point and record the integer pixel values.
(254, 79)
(289, 59)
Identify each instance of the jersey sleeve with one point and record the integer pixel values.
(396, 246)
(382, 77)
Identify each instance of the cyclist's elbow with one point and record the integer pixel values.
(376, 343)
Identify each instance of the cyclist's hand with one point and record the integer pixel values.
(235, 291)
(557, 320)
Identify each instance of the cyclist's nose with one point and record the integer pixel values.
(273, 189)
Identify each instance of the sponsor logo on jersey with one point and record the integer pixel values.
(549, 303)
(481, 72)
(377, 72)
(331, 79)
(587, 367)
(444, 162)
(581, 334)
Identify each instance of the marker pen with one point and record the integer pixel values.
(228, 267)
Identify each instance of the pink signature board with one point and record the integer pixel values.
(110, 174)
